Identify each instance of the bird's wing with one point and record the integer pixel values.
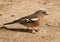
(23, 21)
(33, 19)
(27, 20)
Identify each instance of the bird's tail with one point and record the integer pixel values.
(11, 22)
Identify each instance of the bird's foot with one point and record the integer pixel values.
(34, 31)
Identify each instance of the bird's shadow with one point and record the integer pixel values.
(19, 30)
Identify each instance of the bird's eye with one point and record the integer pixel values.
(44, 12)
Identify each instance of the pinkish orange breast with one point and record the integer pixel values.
(34, 24)
(38, 22)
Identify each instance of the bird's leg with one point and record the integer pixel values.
(27, 27)
(34, 30)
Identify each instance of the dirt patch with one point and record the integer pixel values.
(49, 30)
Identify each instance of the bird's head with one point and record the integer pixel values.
(41, 11)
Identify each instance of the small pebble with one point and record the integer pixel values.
(12, 15)
(42, 36)
(0, 14)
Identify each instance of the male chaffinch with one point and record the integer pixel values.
(32, 20)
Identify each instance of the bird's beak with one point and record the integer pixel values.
(46, 14)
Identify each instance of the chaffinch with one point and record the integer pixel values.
(32, 20)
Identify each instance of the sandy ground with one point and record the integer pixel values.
(49, 30)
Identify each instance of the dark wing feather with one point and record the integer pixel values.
(26, 19)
